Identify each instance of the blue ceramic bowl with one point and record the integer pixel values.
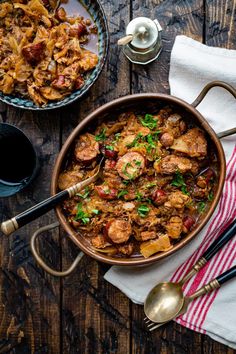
(96, 11)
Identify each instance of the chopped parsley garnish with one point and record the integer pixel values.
(148, 141)
(124, 170)
(148, 121)
(151, 184)
(137, 162)
(138, 196)
(85, 194)
(210, 196)
(184, 190)
(135, 141)
(109, 147)
(117, 137)
(122, 193)
(143, 211)
(101, 136)
(201, 207)
(106, 190)
(178, 181)
(95, 211)
(81, 215)
(126, 182)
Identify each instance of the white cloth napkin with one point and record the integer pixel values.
(192, 66)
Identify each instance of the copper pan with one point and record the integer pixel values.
(137, 102)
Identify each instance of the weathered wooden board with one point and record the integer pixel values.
(30, 299)
(220, 24)
(83, 313)
(95, 314)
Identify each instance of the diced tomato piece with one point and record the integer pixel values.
(108, 153)
(209, 174)
(188, 222)
(159, 197)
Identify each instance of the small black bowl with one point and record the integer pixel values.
(94, 8)
(18, 160)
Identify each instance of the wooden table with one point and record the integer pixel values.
(83, 313)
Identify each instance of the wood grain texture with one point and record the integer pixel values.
(95, 315)
(188, 18)
(220, 31)
(29, 299)
(83, 313)
(220, 23)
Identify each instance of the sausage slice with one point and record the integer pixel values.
(119, 230)
(87, 148)
(130, 165)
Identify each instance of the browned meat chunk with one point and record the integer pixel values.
(174, 125)
(177, 200)
(174, 227)
(172, 163)
(200, 193)
(68, 179)
(148, 221)
(126, 249)
(60, 14)
(148, 235)
(99, 241)
(167, 139)
(119, 230)
(193, 143)
(87, 148)
(201, 182)
(63, 82)
(34, 53)
(131, 165)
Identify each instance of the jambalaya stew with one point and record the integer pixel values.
(159, 177)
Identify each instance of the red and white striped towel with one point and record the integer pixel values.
(192, 66)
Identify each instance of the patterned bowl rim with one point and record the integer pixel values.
(59, 104)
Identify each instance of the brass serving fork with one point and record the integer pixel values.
(166, 300)
(212, 285)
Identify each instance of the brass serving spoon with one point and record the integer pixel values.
(165, 301)
(212, 285)
(11, 225)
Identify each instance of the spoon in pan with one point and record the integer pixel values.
(11, 225)
(165, 301)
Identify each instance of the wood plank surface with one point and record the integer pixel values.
(95, 315)
(182, 17)
(220, 25)
(29, 298)
(83, 313)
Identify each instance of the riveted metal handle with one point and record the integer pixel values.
(209, 86)
(40, 260)
(203, 93)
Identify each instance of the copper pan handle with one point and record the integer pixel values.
(209, 86)
(40, 260)
(226, 133)
(202, 95)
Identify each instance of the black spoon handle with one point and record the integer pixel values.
(220, 241)
(33, 213)
(11, 225)
(229, 274)
(211, 251)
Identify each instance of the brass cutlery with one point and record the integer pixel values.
(166, 301)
